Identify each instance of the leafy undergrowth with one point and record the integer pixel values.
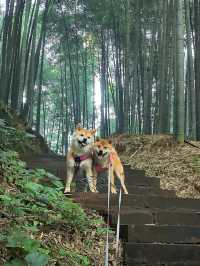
(15, 135)
(39, 226)
(177, 165)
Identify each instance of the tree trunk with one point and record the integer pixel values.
(197, 64)
(180, 103)
(191, 78)
(127, 70)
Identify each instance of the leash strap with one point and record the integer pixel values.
(108, 218)
(118, 222)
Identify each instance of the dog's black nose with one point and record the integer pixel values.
(100, 152)
(84, 140)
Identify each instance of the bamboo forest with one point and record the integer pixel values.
(124, 66)
(90, 91)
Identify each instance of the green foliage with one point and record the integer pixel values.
(18, 239)
(32, 259)
(103, 230)
(75, 258)
(31, 188)
(10, 167)
(30, 205)
(16, 262)
(29, 249)
(36, 259)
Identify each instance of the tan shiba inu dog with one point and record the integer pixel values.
(80, 154)
(103, 155)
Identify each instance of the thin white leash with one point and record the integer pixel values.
(118, 222)
(108, 218)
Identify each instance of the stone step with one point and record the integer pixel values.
(141, 190)
(178, 218)
(130, 262)
(137, 178)
(131, 180)
(53, 164)
(130, 217)
(159, 217)
(162, 254)
(142, 181)
(149, 190)
(158, 202)
(93, 200)
(133, 172)
(164, 234)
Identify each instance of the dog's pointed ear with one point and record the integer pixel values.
(110, 141)
(78, 126)
(93, 131)
(97, 138)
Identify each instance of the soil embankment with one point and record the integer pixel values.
(178, 166)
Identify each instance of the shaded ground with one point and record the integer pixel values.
(178, 166)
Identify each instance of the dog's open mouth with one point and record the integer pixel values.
(82, 143)
(101, 154)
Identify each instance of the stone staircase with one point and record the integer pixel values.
(157, 228)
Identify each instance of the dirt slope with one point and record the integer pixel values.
(178, 166)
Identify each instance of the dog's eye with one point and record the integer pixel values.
(105, 148)
(99, 146)
(88, 137)
(82, 135)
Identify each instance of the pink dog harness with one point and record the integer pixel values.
(100, 169)
(79, 159)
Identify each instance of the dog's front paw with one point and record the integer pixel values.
(94, 190)
(67, 190)
(113, 190)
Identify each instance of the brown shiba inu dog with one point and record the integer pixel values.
(80, 154)
(103, 155)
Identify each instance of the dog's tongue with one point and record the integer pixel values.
(83, 144)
